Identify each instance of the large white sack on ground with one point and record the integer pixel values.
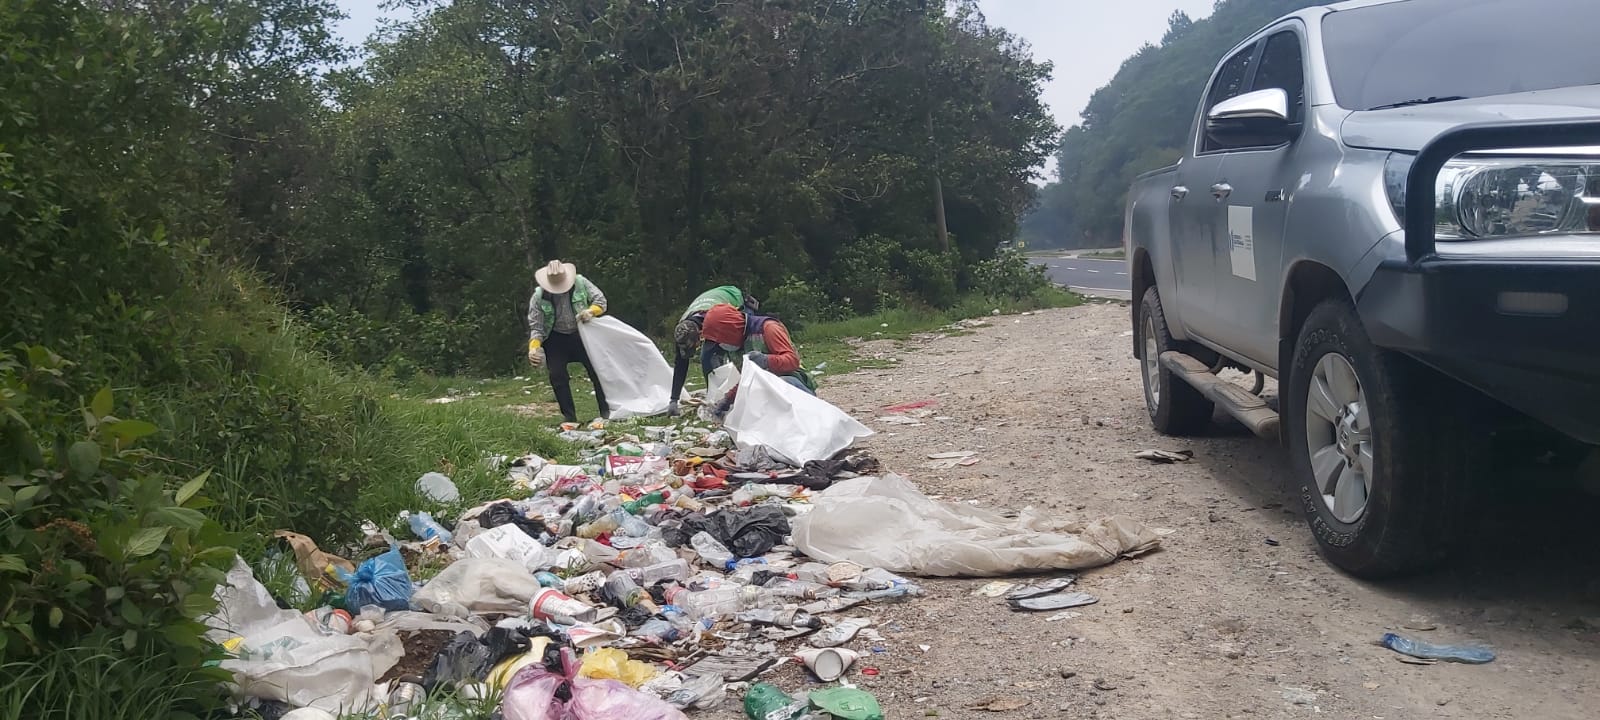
(792, 424)
(885, 522)
(636, 379)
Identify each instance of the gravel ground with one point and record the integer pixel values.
(1237, 616)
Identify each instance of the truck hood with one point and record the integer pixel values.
(1408, 129)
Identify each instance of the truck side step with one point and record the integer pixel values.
(1247, 408)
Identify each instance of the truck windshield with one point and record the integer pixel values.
(1423, 51)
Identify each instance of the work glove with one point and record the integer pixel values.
(672, 409)
(535, 355)
(759, 359)
(592, 312)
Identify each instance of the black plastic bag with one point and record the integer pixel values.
(750, 532)
(464, 658)
(504, 513)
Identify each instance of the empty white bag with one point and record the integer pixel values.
(636, 379)
(886, 522)
(792, 424)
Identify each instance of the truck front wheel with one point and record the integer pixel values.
(1380, 459)
(1176, 408)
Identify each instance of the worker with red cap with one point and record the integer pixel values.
(760, 339)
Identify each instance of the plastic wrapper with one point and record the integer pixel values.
(637, 380)
(510, 542)
(531, 695)
(479, 585)
(886, 522)
(791, 424)
(381, 581)
(613, 664)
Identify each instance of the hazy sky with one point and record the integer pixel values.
(1086, 39)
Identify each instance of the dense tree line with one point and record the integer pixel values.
(797, 147)
(1138, 122)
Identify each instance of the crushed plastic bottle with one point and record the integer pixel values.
(1473, 654)
(711, 551)
(622, 587)
(424, 526)
(630, 525)
(675, 569)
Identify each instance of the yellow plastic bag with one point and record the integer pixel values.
(502, 673)
(613, 664)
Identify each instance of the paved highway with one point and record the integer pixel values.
(1108, 277)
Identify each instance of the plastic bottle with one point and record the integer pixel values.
(799, 589)
(650, 552)
(720, 601)
(654, 498)
(424, 526)
(659, 629)
(629, 525)
(675, 569)
(763, 701)
(711, 551)
(601, 526)
(630, 449)
(624, 589)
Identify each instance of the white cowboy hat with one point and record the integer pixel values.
(557, 277)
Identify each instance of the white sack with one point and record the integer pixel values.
(792, 424)
(244, 606)
(636, 379)
(885, 522)
(478, 585)
(294, 663)
(511, 543)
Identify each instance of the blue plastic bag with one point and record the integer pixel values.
(1452, 653)
(381, 581)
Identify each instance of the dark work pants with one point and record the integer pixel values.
(561, 350)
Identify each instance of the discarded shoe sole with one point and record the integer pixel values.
(1041, 588)
(1060, 601)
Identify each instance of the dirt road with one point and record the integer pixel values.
(1238, 617)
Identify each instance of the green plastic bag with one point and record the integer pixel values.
(764, 699)
(846, 704)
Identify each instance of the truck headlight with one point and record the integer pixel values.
(1493, 197)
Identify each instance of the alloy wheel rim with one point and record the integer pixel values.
(1339, 438)
(1152, 366)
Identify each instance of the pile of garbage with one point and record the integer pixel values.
(667, 570)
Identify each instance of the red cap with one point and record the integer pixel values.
(724, 325)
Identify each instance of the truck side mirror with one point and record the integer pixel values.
(1252, 119)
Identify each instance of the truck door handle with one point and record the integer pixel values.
(1180, 192)
(1221, 190)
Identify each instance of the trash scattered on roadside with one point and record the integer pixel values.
(1471, 654)
(438, 488)
(1419, 623)
(658, 573)
(1272, 542)
(1165, 457)
(1060, 601)
(947, 460)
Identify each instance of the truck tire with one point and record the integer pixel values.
(1175, 407)
(1378, 453)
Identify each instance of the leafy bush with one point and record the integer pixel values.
(1008, 275)
(799, 302)
(932, 276)
(100, 545)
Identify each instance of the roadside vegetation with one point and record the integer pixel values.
(238, 257)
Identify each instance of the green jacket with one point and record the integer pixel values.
(722, 295)
(542, 312)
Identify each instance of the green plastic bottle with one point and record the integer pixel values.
(634, 506)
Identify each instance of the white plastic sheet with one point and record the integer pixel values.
(279, 655)
(478, 585)
(637, 380)
(792, 424)
(885, 522)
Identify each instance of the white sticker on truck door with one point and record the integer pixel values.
(1242, 241)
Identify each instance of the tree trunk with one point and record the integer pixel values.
(938, 191)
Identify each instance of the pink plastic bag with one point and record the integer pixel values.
(531, 695)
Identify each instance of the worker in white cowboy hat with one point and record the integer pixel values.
(563, 300)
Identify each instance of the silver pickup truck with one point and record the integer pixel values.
(1392, 207)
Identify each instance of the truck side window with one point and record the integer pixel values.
(1228, 85)
(1282, 67)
